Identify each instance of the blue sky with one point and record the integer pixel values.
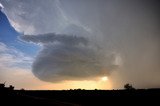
(9, 36)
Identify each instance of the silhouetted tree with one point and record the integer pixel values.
(128, 86)
(22, 89)
(11, 87)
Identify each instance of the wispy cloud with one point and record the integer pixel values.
(10, 56)
(15, 66)
(1, 6)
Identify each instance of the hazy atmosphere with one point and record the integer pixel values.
(88, 44)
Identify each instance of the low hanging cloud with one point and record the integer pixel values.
(52, 37)
(66, 57)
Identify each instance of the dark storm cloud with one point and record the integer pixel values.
(52, 37)
(66, 57)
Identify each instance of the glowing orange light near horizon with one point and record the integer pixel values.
(105, 78)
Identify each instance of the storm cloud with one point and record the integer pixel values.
(82, 38)
(51, 38)
(66, 57)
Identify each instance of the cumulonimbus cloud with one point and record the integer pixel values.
(66, 57)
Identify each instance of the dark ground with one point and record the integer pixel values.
(79, 97)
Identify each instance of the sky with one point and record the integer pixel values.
(88, 44)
